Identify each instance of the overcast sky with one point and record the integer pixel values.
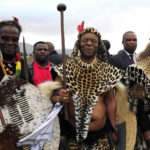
(40, 19)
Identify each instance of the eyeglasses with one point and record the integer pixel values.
(8, 38)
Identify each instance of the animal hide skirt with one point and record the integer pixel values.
(96, 140)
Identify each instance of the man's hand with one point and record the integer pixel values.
(64, 95)
(147, 137)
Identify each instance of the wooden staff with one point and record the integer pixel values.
(62, 8)
(25, 60)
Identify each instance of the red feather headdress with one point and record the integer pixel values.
(80, 27)
(16, 19)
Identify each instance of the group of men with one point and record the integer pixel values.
(91, 78)
(43, 51)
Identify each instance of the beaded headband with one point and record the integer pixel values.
(14, 22)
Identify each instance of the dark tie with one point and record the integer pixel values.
(132, 60)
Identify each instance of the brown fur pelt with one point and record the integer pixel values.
(48, 87)
(9, 138)
(143, 60)
(144, 64)
(122, 100)
(124, 114)
(144, 54)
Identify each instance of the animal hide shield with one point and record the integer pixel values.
(24, 109)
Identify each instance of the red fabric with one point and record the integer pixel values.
(18, 57)
(41, 74)
(132, 60)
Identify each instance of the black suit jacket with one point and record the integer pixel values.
(120, 60)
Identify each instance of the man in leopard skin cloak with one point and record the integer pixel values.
(89, 95)
(138, 83)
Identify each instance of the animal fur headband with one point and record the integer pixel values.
(102, 54)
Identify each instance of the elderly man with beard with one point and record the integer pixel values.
(9, 36)
(89, 95)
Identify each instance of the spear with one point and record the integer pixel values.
(1, 64)
(25, 60)
(4, 72)
(2, 119)
(62, 8)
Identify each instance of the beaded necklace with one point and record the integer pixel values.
(10, 65)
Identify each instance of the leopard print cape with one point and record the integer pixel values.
(144, 65)
(87, 82)
(138, 85)
(137, 79)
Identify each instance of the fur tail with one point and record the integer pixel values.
(125, 115)
(48, 87)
